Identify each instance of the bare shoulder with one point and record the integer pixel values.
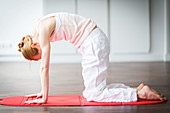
(48, 25)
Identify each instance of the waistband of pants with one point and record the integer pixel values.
(94, 32)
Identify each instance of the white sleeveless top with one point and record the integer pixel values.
(70, 27)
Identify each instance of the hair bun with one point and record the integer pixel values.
(21, 44)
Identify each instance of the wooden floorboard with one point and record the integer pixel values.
(17, 79)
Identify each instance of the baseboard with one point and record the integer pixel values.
(53, 59)
(167, 57)
(136, 58)
(77, 58)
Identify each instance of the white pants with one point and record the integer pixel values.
(95, 59)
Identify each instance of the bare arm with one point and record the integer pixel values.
(45, 60)
(44, 69)
(44, 29)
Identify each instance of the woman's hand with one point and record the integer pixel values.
(41, 101)
(38, 98)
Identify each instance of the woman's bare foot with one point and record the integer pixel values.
(144, 92)
(140, 86)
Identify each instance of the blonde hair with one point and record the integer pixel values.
(26, 48)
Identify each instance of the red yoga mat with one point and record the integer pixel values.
(66, 100)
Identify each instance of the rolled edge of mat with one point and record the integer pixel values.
(1, 100)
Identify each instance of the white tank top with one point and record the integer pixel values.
(70, 27)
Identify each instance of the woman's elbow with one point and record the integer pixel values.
(44, 69)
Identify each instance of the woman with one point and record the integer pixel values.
(92, 43)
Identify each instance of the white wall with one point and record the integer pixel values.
(138, 29)
(168, 24)
(167, 31)
(17, 19)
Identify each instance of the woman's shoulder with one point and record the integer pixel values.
(47, 24)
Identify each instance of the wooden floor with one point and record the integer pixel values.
(17, 79)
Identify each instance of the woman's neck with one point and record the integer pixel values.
(35, 37)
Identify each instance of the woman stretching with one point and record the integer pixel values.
(93, 45)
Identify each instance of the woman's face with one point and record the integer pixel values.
(29, 41)
(36, 45)
(38, 56)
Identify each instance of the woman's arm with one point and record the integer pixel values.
(45, 60)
